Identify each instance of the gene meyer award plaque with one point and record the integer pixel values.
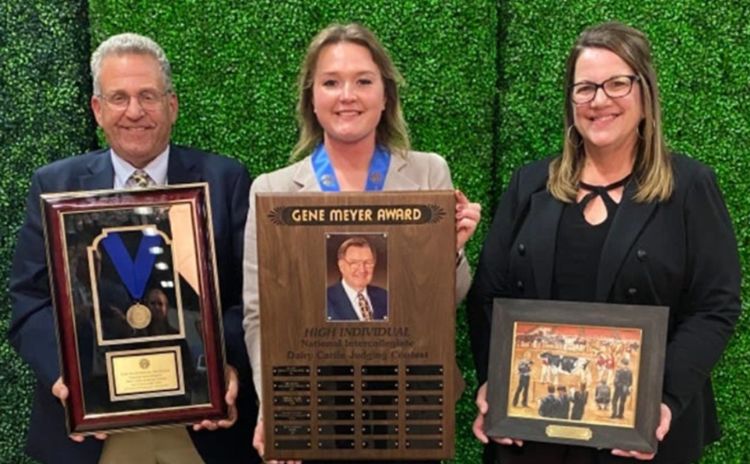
(357, 301)
(137, 308)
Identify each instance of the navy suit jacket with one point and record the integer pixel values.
(340, 307)
(32, 328)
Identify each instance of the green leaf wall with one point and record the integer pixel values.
(484, 89)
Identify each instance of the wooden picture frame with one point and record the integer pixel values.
(552, 363)
(137, 308)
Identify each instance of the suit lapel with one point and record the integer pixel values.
(543, 219)
(628, 222)
(304, 177)
(99, 175)
(182, 168)
(396, 179)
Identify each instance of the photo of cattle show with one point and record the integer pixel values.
(574, 373)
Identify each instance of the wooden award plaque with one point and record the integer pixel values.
(348, 380)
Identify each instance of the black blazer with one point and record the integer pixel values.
(32, 330)
(680, 253)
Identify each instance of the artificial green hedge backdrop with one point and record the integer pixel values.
(484, 89)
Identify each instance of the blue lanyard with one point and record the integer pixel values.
(134, 273)
(379, 163)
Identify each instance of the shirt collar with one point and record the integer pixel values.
(156, 169)
(352, 295)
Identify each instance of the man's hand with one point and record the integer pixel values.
(233, 387)
(60, 390)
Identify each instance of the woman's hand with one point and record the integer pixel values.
(478, 426)
(259, 443)
(661, 432)
(233, 385)
(467, 218)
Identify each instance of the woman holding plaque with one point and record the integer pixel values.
(616, 218)
(353, 137)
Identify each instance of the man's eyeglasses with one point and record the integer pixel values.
(357, 264)
(148, 100)
(614, 87)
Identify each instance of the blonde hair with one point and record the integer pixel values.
(652, 170)
(391, 131)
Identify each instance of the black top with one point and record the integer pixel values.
(579, 245)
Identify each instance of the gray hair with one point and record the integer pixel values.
(129, 42)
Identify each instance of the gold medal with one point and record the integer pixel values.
(139, 316)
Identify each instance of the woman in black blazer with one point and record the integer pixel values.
(617, 218)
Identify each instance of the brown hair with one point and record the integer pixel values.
(391, 131)
(652, 170)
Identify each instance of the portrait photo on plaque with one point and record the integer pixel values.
(136, 306)
(357, 283)
(586, 374)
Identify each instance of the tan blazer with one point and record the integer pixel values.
(415, 171)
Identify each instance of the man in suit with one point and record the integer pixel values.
(353, 298)
(623, 382)
(135, 105)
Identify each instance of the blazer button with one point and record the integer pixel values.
(641, 254)
(632, 291)
(521, 249)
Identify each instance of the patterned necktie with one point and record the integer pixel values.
(364, 307)
(140, 179)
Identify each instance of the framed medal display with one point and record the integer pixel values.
(134, 287)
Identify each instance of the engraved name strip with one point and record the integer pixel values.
(335, 385)
(336, 430)
(380, 444)
(424, 385)
(291, 415)
(380, 385)
(336, 444)
(292, 430)
(380, 370)
(291, 385)
(432, 400)
(374, 400)
(424, 444)
(384, 429)
(292, 444)
(328, 371)
(336, 415)
(424, 370)
(424, 414)
(291, 400)
(291, 371)
(335, 400)
(379, 414)
(424, 429)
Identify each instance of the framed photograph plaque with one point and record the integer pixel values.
(586, 374)
(133, 280)
(357, 299)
